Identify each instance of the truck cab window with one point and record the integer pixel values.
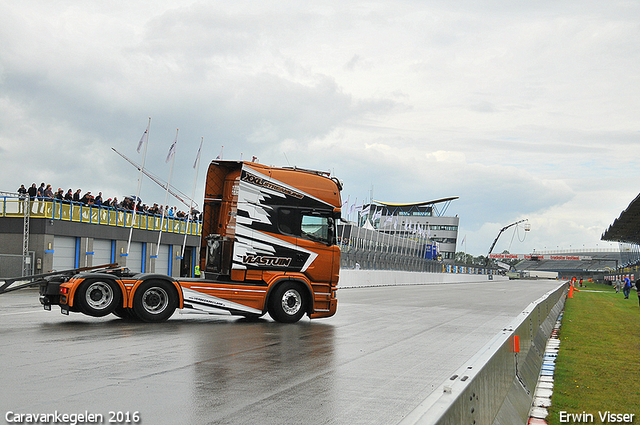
(316, 228)
(289, 221)
(308, 225)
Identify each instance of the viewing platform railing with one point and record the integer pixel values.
(77, 212)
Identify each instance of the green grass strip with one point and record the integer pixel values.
(598, 365)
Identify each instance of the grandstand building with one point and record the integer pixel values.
(586, 264)
(612, 264)
(424, 222)
(626, 231)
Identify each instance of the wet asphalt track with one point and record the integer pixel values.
(384, 352)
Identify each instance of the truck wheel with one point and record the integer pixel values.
(154, 301)
(97, 298)
(287, 303)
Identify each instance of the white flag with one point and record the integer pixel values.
(345, 204)
(143, 139)
(172, 149)
(198, 154)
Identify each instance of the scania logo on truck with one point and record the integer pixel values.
(263, 260)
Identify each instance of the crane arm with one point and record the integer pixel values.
(500, 233)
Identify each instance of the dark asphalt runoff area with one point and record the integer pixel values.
(384, 352)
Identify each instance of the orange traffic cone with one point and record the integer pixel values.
(570, 291)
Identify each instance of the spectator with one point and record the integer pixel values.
(98, 199)
(41, 191)
(626, 290)
(48, 192)
(76, 196)
(32, 191)
(59, 194)
(86, 198)
(68, 196)
(22, 191)
(127, 204)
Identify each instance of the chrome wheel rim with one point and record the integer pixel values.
(155, 300)
(291, 302)
(99, 295)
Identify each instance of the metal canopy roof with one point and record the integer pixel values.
(416, 204)
(625, 228)
(419, 206)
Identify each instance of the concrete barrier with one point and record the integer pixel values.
(497, 385)
(350, 278)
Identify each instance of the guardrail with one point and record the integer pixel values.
(370, 249)
(497, 385)
(77, 212)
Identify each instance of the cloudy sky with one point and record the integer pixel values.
(522, 109)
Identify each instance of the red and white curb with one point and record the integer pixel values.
(544, 389)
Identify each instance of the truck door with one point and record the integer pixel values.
(318, 236)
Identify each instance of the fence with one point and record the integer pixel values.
(81, 213)
(497, 385)
(373, 250)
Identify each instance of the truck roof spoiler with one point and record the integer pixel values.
(37, 279)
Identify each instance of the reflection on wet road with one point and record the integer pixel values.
(382, 354)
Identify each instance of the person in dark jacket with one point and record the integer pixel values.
(638, 289)
(32, 191)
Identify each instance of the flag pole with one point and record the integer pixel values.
(171, 156)
(375, 211)
(196, 165)
(143, 140)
